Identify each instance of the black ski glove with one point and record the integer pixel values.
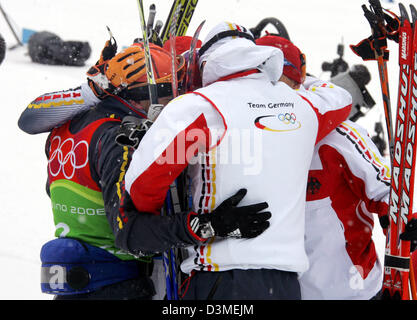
(131, 131)
(366, 49)
(228, 220)
(410, 233)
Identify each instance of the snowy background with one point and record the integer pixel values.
(316, 27)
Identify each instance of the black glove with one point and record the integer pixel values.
(109, 50)
(410, 234)
(107, 53)
(131, 131)
(228, 220)
(367, 47)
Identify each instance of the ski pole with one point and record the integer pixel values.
(376, 24)
(154, 105)
(172, 41)
(10, 26)
(153, 93)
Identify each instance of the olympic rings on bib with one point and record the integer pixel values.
(67, 162)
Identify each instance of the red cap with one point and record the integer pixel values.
(294, 66)
(182, 44)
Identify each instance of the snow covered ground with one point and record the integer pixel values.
(317, 27)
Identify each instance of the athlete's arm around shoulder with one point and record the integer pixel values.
(366, 171)
(187, 125)
(51, 110)
(331, 103)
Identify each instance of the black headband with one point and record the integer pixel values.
(140, 93)
(224, 34)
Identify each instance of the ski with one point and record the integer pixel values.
(407, 209)
(397, 252)
(167, 26)
(413, 261)
(183, 20)
(192, 60)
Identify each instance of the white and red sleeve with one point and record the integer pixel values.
(187, 125)
(331, 103)
(365, 170)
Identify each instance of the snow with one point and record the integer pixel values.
(317, 27)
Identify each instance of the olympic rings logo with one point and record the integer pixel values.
(68, 162)
(287, 118)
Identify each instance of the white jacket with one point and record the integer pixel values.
(348, 181)
(247, 132)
